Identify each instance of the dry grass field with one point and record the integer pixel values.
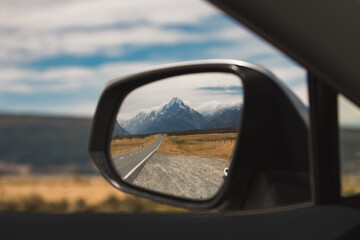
(216, 145)
(66, 194)
(92, 189)
(69, 194)
(350, 185)
(118, 146)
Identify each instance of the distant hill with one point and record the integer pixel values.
(350, 145)
(45, 143)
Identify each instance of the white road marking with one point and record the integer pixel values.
(137, 166)
(121, 157)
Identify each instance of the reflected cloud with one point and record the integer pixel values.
(229, 90)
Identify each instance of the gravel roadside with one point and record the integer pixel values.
(182, 176)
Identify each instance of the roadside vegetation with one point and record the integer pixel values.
(216, 145)
(128, 144)
(66, 194)
(350, 185)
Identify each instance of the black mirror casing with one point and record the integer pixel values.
(273, 133)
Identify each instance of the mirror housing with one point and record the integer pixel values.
(271, 153)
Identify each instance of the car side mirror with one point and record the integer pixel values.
(203, 134)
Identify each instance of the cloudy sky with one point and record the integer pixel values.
(56, 56)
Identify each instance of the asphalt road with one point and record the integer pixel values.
(129, 164)
(179, 175)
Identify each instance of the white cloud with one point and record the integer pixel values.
(66, 78)
(78, 109)
(349, 113)
(292, 75)
(210, 107)
(45, 15)
(36, 29)
(25, 47)
(20, 47)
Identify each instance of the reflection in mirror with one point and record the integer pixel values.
(176, 136)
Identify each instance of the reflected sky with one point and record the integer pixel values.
(201, 91)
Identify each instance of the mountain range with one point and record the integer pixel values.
(177, 116)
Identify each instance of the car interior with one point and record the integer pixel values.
(293, 166)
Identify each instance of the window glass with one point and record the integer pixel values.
(55, 59)
(349, 127)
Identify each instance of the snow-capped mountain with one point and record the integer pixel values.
(212, 110)
(228, 117)
(174, 116)
(177, 116)
(136, 124)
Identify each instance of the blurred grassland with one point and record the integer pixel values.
(58, 194)
(217, 145)
(118, 146)
(350, 185)
(350, 160)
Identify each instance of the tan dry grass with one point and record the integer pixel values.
(350, 185)
(65, 194)
(91, 189)
(217, 145)
(118, 146)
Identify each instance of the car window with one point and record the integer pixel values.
(349, 132)
(55, 59)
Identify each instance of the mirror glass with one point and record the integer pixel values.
(177, 135)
